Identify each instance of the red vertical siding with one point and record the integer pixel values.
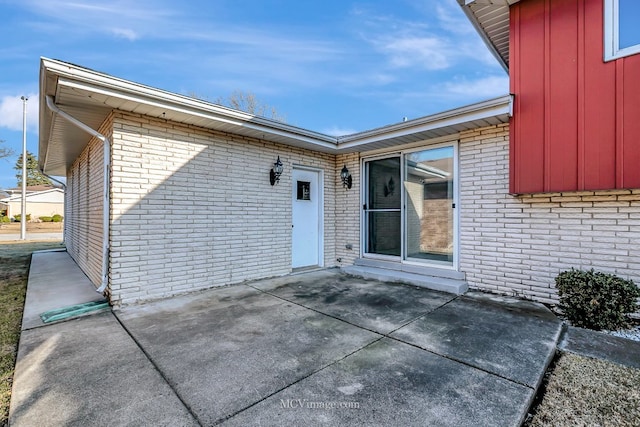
(530, 98)
(577, 118)
(599, 105)
(562, 95)
(631, 125)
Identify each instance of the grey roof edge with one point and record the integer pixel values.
(56, 69)
(86, 75)
(484, 109)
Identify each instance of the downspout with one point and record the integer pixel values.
(105, 209)
(57, 181)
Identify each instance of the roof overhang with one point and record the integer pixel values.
(90, 97)
(491, 19)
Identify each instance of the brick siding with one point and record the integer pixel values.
(518, 245)
(83, 224)
(194, 209)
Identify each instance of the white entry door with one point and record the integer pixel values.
(307, 228)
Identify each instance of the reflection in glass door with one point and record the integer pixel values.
(382, 209)
(429, 195)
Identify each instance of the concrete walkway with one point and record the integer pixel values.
(319, 348)
(33, 237)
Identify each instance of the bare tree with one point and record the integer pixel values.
(5, 151)
(247, 102)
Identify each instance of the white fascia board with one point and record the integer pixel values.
(247, 121)
(466, 8)
(113, 86)
(91, 81)
(18, 196)
(479, 111)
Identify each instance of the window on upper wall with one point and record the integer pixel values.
(621, 28)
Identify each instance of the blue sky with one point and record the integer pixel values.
(335, 67)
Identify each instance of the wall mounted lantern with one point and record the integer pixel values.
(345, 176)
(274, 174)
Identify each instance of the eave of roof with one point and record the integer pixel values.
(91, 96)
(18, 196)
(491, 19)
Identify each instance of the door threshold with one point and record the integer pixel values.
(306, 269)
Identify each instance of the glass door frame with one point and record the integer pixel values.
(364, 244)
(454, 265)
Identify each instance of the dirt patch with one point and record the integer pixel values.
(32, 227)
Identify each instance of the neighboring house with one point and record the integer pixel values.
(168, 194)
(39, 203)
(29, 189)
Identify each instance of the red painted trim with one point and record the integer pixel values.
(514, 86)
(546, 103)
(619, 147)
(631, 127)
(581, 91)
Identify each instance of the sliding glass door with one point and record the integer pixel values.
(382, 209)
(429, 185)
(409, 205)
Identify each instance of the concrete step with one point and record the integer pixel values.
(454, 286)
(411, 268)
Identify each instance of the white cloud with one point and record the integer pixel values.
(338, 131)
(484, 87)
(125, 33)
(451, 19)
(431, 53)
(97, 16)
(11, 112)
(438, 37)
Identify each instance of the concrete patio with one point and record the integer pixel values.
(319, 348)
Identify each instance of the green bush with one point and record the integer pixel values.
(46, 219)
(596, 300)
(56, 218)
(19, 216)
(5, 219)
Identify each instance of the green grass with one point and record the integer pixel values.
(582, 391)
(14, 259)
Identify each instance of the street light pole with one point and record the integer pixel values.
(23, 214)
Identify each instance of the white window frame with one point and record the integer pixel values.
(612, 49)
(403, 259)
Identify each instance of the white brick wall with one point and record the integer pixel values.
(348, 210)
(517, 245)
(193, 209)
(84, 200)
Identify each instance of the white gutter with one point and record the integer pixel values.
(105, 208)
(72, 75)
(457, 116)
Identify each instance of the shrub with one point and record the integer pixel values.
(46, 219)
(4, 219)
(596, 300)
(19, 216)
(56, 218)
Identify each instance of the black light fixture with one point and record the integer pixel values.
(345, 176)
(276, 171)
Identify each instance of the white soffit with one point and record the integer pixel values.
(91, 96)
(491, 20)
